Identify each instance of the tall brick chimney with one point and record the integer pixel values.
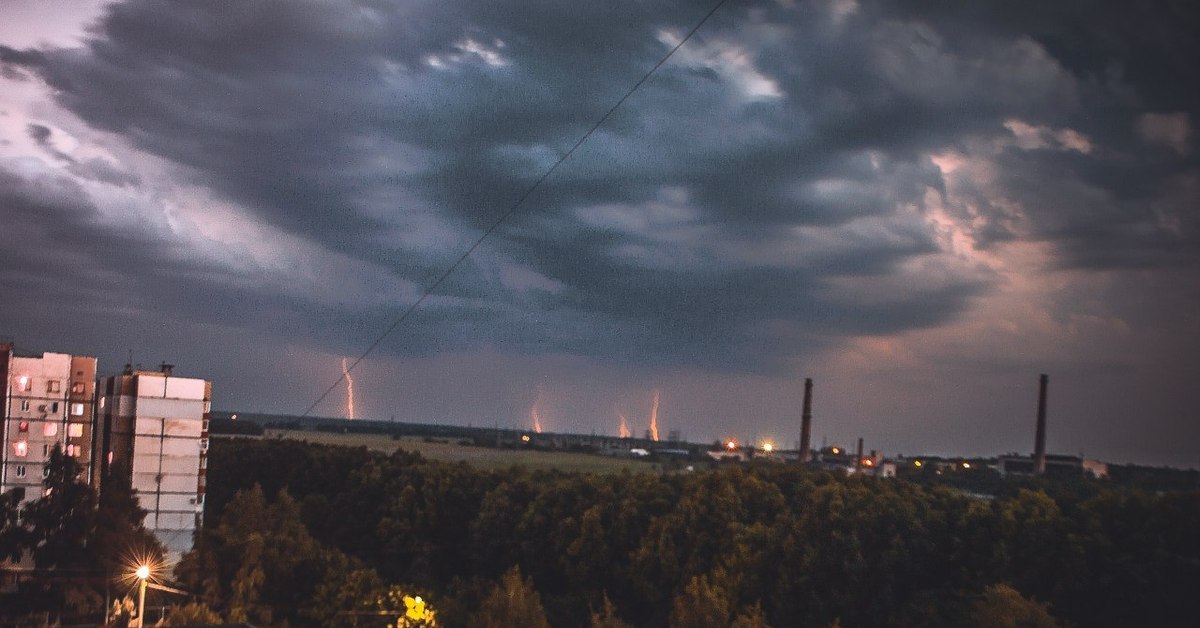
(1039, 442)
(806, 423)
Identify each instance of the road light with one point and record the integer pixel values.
(143, 575)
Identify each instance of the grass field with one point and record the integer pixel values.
(479, 457)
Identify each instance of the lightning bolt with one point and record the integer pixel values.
(349, 389)
(535, 414)
(623, 430)
(654, 418)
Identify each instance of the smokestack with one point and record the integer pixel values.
(858, 456)
(806, 422)
(1039, 442)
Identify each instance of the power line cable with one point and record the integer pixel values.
(512, 209)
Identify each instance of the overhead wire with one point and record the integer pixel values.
(512, 209)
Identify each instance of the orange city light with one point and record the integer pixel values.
(731, 444)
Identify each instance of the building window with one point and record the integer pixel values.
(49, 429)
(78, 388)
(23, 426)
(20, 470)
(102, 404)
(23, 383)
(45, 450)
(21, 448)
(52, 385)
(75, 430)
(54, 406)
(77, 409)
(25, 405)
(74, 450)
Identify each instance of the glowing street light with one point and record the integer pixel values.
(768, 447)
(143, 575)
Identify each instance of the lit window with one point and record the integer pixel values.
(50, 429)
(77, 409)
(21, 448)
(23, 382)
(75, 430)
(52, 385)
(20, 470)
(73, 450)
(78, 388)
(23, 426)
(102, 404)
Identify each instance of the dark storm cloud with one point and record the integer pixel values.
(352, 125)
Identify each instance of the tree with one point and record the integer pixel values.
(60, 522)
(191, 614)
(12, 534)
(701, 604)
(512, 602)
(752, 617)
(607, 617)
(1001, 606)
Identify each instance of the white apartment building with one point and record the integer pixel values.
(157, 425)
(47, 401)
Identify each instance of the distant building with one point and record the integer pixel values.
(1014, 464)
(155, 425)
(47, 402)
(841, 460)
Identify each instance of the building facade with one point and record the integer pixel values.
(48, 401)
(154, 426)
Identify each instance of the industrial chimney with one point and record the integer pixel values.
(806, 422)
(1039, 443)
(858, 456)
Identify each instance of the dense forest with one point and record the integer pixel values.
(307, 535)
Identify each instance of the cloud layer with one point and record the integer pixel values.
(801, 182)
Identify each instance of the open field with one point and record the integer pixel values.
(480, 457)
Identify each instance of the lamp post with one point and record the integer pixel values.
(143, 574)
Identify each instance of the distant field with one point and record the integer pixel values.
(479, 457)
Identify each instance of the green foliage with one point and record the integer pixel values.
(191, 614)
(755, 544)
(607, 617)
(513, 602)
(79, 545)
(1001, 606)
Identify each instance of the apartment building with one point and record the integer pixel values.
(155, 424)
(48, 401)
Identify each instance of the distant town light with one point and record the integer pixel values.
(836, 450)
(731, 444)
(525, 438)
(917, 463)
(768, 446)
(966, 465)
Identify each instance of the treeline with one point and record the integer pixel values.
(68, 556)
(308, 534)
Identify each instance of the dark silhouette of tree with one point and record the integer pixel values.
(513, 602)
(1001, 606)
(13, 537)
(607, 617)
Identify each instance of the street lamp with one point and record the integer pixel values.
(143, 575)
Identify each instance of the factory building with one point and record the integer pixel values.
(48, 401)
(155, 425)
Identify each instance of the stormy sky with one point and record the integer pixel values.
(919, 205)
